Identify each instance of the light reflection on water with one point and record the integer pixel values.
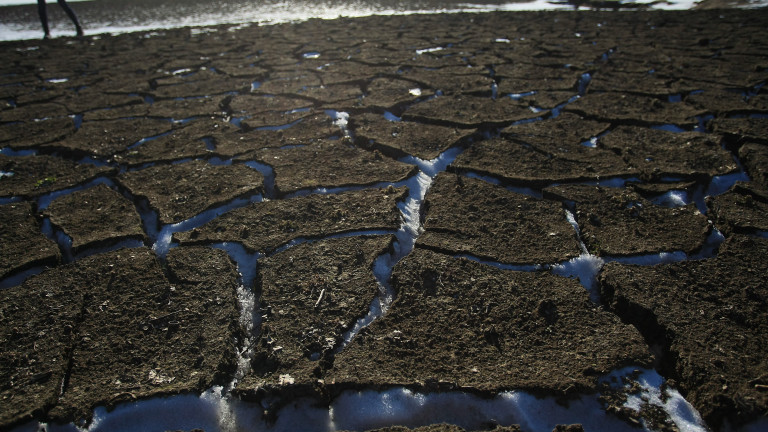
(120, 16)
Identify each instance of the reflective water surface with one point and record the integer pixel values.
(120, 16)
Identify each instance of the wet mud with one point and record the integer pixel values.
(552, 204)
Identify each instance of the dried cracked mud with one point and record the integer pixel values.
(446, 204)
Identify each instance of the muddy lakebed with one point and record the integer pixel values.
(526, 221)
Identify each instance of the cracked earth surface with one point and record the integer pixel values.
(441, 203)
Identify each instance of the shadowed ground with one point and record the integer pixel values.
(451, 171)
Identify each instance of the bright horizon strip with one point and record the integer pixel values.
(32, 2)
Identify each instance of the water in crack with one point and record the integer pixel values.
(165, 234)
(146, 139)
(62, 239)
(250, 312)
(214, 410)
(406, 236)
(517, 189)
(18, 278)
(269, 176)
(7, 151)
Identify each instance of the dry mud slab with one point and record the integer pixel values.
(447, 170)
(95, 216)
(184, 190)
(469, 216)
(263, 227)
(618, 221)
(24, 244)
(113, 328)
(458, 324)
(709, 317)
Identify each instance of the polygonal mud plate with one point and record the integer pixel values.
(266, 226)
(37, 175)
(753, 129)
(468, 216)
(754, 156)
(523, 164)
(743, 209)
(619, 222)
(33, 133)
(109, 137)
(470, 111)
(310, 295)
(711, 318)
(181, 191)
(300, 132)
(24, 244)
(330, 164)
(517, 78)
(184, 108)
(95, 216)
(390, 93)
(188, 141)
(564, 135)
(633, 109)
(458, 324)
(143, 336)
(451, 80)
(399, 138)
(37, 321)
(657, 153)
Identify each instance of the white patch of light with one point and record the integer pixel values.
(653, 392)
(429, 50)
(672, 199)
(585, 267)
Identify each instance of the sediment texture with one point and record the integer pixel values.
(401, 205)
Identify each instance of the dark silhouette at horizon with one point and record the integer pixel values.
(42, 10)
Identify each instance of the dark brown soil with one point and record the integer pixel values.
(546, 104)
(24, 245)
(468, 216)
(37, 175)
(187, 189)
(109, 137)
(470, 111)
(181, 143)
(401, 138)
(616, 222)
(743, 209)
(96, 216)
(263, 227)
(522, 163)
(303, 131)
(710, 317)
(457, 324)
(31, 133)
(330, 164)
(113, 328)
(755, 159)
(635, 109)
(754, 129)
(655, 154)
(390, 93)
(310, 295)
